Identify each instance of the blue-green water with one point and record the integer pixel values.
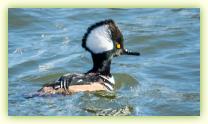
(164, 80)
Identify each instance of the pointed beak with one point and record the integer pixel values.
(127, 52)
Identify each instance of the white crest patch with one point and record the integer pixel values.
(99, 40)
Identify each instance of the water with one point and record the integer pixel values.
(164, 80)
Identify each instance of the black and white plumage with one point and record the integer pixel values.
(102, 37)
(71, 79)
(100, 40)
(104, 41)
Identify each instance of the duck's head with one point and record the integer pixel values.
(105, 37)
(104, 41)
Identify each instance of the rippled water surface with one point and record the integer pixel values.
(164, 80)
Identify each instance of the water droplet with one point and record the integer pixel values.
(66, 40)
(18, 51)
(45, 67)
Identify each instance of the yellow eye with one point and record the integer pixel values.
(118, 46)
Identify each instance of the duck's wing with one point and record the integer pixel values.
(74, 79)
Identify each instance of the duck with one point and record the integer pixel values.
(104, 41)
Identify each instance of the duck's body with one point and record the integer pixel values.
(76, 82)
(104, 41)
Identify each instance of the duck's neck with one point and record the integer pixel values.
(101, 64)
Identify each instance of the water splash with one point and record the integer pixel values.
(18, 51)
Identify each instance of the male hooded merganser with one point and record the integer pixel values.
(104, 41)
